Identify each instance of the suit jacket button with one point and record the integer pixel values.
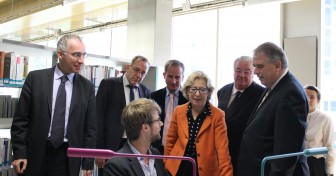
(198, 155)
(197, 141)
(200, 168)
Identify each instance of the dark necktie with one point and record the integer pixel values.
(131, 92)
(57, 129)
(238, 93)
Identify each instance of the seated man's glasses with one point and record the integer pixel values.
(200, 90)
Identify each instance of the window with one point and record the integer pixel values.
(328, 57)
(211, 40)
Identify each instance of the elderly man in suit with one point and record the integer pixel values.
(237, 100)
(56, 110)
(277, 124)
(173, 75)
(112, 96)
(142, 123)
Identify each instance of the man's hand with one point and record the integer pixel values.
(20, 165)
(87, 173)
(100, 162)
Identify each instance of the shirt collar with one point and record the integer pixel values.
(283, 74)
(235, 90)
(135, 151)
(59, 74)
(174, 92)
(126, 82)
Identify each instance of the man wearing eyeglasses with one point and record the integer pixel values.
(142, 124)
(173, 75)
(112, 96)
(56, 110)
(237, 100)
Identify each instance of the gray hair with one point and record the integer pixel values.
(243, 58)
(62, 44)
(197, 75)
(273, 53)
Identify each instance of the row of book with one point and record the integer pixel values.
(7, 106)
(96, 73)
(6, 157)
(13, 68)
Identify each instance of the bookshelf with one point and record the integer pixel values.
(41, 57)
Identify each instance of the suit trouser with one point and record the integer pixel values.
(55, 162)
(316, 166)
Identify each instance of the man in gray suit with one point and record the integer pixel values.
(142, 123)
(112, 96)
(38, 112)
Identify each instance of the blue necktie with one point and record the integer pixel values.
(57, 129)
(131, 92)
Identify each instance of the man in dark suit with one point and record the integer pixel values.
(173, 75)
(142, 123)
(112, 96)
(35, 118)
(237, 100)
(278, 123)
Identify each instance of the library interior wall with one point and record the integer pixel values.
(302, 19)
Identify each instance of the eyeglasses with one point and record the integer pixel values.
(152, 121)
(200, 90)
(240, 71)
(138, 71)
(77, 55)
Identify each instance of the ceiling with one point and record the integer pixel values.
(41, 20)
(55, 17)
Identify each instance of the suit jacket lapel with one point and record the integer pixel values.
(74, 94)
(133, 161)
(206, 124)
(49, 82)
(256, 107)
(120, 87)
(184, 121)
(136, 167)
(158, 169)
(180, 98)
(227, 96)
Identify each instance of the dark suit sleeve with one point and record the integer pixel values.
(101, 104)
(113, 168)
(289, 130)
(90, 129)
(20, 122)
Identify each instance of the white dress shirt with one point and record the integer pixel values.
(320, 133)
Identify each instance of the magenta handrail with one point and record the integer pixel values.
(106, 154)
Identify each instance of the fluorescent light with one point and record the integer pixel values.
(251, 2)
(72, 2)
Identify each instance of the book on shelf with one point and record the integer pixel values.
(96, 73)
(7, 106)
(6, 151)
(6, 157)
(2, 62)
(15, 69)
